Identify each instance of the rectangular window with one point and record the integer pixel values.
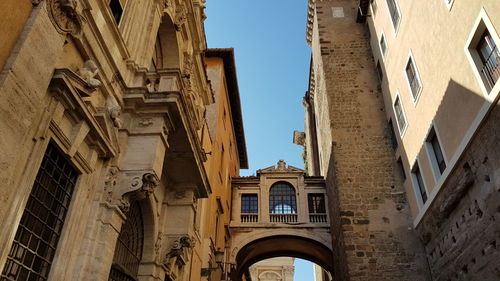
(401, 168)
(400, 115)
(413, 78)
(374, 6)
(394, 12)
(490, 58)
(249, 204)
(436, 153)
(394, 140)
(419, 183)
(37, 235)
(316, 203)
(380, 74)
(383, 45)
(116, 9)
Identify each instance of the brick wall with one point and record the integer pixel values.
(371, 226)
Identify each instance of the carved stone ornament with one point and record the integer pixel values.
(149, 182)
(64, 16)
(88, 72)
(114, 114)
(35, 2)
(180, 17)
(158, 246)
(281, 165)
(110, 183)
(137, 187)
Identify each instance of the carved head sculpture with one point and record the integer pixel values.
(69, 7)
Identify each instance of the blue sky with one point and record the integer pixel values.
(272, 62)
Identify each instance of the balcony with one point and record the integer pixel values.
(318, 218)
(249, 218)
(283, 218)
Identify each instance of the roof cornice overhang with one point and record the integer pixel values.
(227, 55)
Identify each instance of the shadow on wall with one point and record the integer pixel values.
(461, 227)
(277, 246)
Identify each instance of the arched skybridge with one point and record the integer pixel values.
(279, 212)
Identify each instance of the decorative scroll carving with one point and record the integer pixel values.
(88, 72)
(178, 255)
(180, 17)
(149, 182)
(132, 187)
(64, 16)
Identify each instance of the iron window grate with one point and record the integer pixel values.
(35, 242)
(128, 251)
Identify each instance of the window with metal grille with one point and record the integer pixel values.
(282, 199)
(37, 235)
(316, 202)
(419, 182)
(490, 58)
(394, 12)
(400, 116)
(249, 204)
(128, 251)
(413, 79)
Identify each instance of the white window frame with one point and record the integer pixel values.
(449, 4)
(482, 23)
(372, 4)
(382, 35)
(417, 73)
(395, 27)
(398, 97)
(416, 187)
(431, 155)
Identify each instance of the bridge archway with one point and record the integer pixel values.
(282, 245)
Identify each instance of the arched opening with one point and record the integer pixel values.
(129, 247)
(282, 199)
(281, 246)
(166, 51)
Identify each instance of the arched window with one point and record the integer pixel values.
(128, 251)
(282, 199)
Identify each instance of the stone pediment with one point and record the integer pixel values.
(281, 167)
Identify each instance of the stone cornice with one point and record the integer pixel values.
(310, 21)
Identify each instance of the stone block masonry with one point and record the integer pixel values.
(461, 229)
(371, 225)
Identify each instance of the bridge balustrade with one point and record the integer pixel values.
(283, 218)
(249, 218)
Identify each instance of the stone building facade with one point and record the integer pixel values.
(274, 269)
(400, 118)
(111, 136)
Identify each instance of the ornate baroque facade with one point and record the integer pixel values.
(115, 148)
